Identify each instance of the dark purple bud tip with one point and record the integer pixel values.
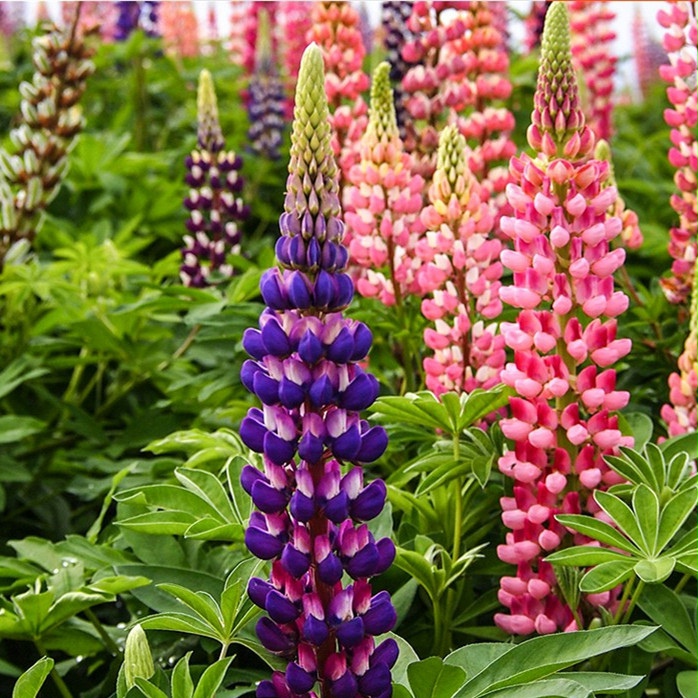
(272, 637)
(310, 448)
(249, 476)
(275, 340)
(360, 393)
(330, 570)
(262, 544)
(294, 561)
(273, 293)
(247, 373)
(266, 690)
(291, 394)
(324, 290)
(265, 388)
(302, 508)
(252, 433)
(370, 501)
(277, 450)
(299, 680)
(381, 616)
(252, 343)
(364, 563)
(347, 446)
(281, 609)
(351, 632)
(363, 339)
(257, 590)
(298, 291)
(267, 498)
(373, 445)
(321, 392)
(345, 687)
(386, 653)
(315, 631)
(337, 508)
(341, 349)
(375, 681)
(310, 348)
(386, 554)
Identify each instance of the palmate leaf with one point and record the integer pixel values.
(431, 678)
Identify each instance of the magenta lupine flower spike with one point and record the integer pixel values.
(215, 207)
(564, 342)
(681, 415)
(459, 276)
(311, 501)
(383, 204)
(679, 20)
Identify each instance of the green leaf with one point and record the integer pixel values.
(584, 556)
(639, 426)
(623, 516)
(549, 688)
(15, 427)
(673, 515)
(179, 623)
(664, 607)
(602, 681)
(416, 565)
(542, 656)
(474, 658)
(655, 571)
(159, 522)
(405, 657)
(201, 603)
(209, 488)
(431, 678)
(479, 403)
(30, 682)
(606, 576)
(598, 530)
(646, 508)
(148, 690)
(212, 678)
(684, 443)
(687, 683)
(182, 684)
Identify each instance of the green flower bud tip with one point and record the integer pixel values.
(602, 151)
(209, 131)
(451, 154)
(382, 121)
(138, 660)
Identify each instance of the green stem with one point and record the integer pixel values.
(106, 638)
(60, 684)
(140, 121)
(633, 601)
(623, 601)
(458, 515)
(682, 583)
(224, 650)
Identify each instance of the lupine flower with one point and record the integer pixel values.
(265, 98)
(365, 27)
(215, 207)
(310, 499)
(93, 16)
(534, 23)
(681, 415)
(294, 19)
(236, 38)
(648, 53)
(564, 342)
(335, 29)
(460, 276)
(383, 203)
(394, 16)
(51, 118)
(128, 15)
(149, 18)
(679, 20)
(180, 28)
(459, 76)
(252, 31)
(593, 58)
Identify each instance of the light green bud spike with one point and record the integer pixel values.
(313, 175)
(451, 155)
(209, 132)
(138, 660)
(602, 151)
(382, 119)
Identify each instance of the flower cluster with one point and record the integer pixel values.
(336, 30)
(265, 97)
(564, 342)
(128, 14)
(294, 18)
(394, 16)
(680, 43)
(214, 205)
(486, 126)
(310, 514)
(534, 23)
(179, 27)
(383, 203)
(681, 416)
(591, 50)
(236, 37)
(51, 118)
(648, 53)
(460, 273)
(93, 16)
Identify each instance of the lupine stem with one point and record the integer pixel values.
(55, 676)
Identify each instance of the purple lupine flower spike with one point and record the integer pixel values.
(311, 501)
(266, 98)
(213, 202)
(127, 19)
(149, 18)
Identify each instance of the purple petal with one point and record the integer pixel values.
(345, 290)
(345, 687)
(363, 339)
(324, 290)
(279, 608)
(299, 680)
(257, 590)
(252, 343)
(347, 446)
(386, 554)
(277, 450)
(298, 291)
(294, 561)
(310, 448)
(252, 434)
(381, 616)
(265, 388)
(363, 564)
(330, 569)
(290, 394)
(315, 631)
(370, 501)
(350, 632)
(375, 680)
(337, 508)
(302, 507)
(360, 393)
(386, 653)
(249, 476)
(373, 445)
(273, 292)
(262, 544)
(271, 636)
(267, 498)
(342, 347)
(321, 392)
(247, 373)
(310, 348)
(275, 340)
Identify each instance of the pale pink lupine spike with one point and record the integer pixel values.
(592, 39)
(564, 344)
(679, 20)
(180, 28)
(236, 38)
(382, 204)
